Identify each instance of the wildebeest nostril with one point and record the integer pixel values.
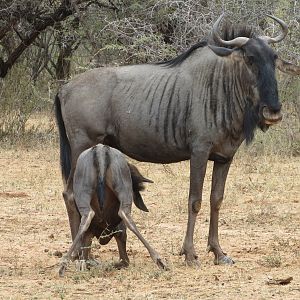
(275, 108)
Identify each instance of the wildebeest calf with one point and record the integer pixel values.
(104, 187)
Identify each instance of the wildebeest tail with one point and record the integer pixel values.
(138, 185)
(101, 161)
(65, 149)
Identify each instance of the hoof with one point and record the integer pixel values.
(162, 264)
(225, 260)
(92, 263)
(62, 269)
(81, 265)
(121, 264)
(192, 263)
(191, 259)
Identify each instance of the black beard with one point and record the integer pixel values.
(251, 121)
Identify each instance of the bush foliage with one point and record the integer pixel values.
(117, 32)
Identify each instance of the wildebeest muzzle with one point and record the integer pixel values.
(271, 116)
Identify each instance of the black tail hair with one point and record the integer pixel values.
(65, 149)
(137, 186)
(103, 166)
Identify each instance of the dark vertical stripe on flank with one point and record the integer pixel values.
(206, 99)
(222, 112)
(149, 89)
(167, 113)
(128, 87)
(175, 117)
(228, 111)
(186, 116)
(159, 105)
(153, 89)
(237, 94)
(234, 114)
(225, 100)
(213, 85)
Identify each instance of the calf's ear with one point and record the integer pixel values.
(144, 179)
(287, 67)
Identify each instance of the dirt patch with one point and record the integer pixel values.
(259, 228)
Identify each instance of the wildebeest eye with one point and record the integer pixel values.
(275, 56)
(249, 59)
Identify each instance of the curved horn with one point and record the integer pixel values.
(237, 42)
(281, 36)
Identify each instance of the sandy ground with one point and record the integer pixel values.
(259, 228)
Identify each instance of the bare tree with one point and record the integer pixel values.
(24, 20)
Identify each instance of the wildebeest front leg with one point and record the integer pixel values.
(198, 165)
(219, 176)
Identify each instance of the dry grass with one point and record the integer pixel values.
(271, 261)
(259, 228)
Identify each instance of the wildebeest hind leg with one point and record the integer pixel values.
(124, 213)
(84, 225)
(219, 176)
(73, 214)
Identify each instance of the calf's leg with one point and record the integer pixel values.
(121, 238)
(83, 227)
(125, 215)
(87, 239)
(87, 259)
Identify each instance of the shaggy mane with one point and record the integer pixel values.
(228, 32)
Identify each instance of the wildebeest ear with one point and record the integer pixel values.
(287, 67)
(144, 179)
(221, 51)
(139, 202)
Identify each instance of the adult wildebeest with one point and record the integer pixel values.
(104, 187)
(199, 106)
